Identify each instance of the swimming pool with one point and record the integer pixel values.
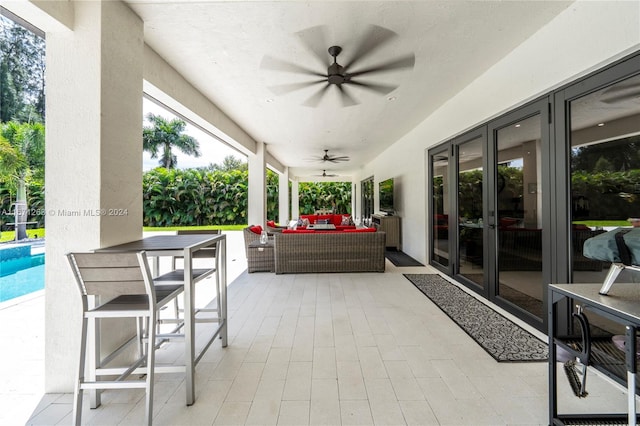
(21, 275)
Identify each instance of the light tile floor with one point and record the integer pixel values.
(351, 349)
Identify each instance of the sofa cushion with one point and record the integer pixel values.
(298, 231)
(256, 229)
(342, 228)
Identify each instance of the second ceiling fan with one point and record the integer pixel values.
(330, 158)
(340, 76)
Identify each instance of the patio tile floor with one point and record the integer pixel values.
(362, 348)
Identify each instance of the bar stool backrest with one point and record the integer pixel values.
(207, 251)
(111, 274)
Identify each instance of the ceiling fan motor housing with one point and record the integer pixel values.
(335, 73)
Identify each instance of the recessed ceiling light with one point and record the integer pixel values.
(600, 124)
(517, 125)
(391, 98)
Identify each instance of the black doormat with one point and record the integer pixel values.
(399, 258)
(504, 340)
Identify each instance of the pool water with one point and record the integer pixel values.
(20, 276)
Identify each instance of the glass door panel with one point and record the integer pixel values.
(605, 170)
(519, 215)
(470, 209)
(440, 207)
(366, 191)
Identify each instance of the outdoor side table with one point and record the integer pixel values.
(261, 256)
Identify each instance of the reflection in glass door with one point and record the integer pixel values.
(518, 221)
(470, 210)
(366, 192)
(440, 208)
(605, 171)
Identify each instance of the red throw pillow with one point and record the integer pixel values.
(256, 229)
(271, 223)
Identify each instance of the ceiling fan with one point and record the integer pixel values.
(325, 174)
(340, 76)
(330, 158)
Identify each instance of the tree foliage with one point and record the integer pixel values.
(229, 163)
(314, 196)
(21, 164)
(203, 197)
(162, 136)
(22, 66)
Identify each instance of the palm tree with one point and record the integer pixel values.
(164, 135)
(22, 147)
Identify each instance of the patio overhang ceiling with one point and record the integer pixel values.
(227, 50)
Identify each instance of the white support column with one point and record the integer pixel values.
(283, 197)
(295, 199)
(94, 162)
(257, 209)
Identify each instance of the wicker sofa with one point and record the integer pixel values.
(329, 252)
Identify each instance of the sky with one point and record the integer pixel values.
(212, 150)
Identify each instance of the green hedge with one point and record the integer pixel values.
(196, 197)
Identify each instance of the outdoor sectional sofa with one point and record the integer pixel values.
(335, 251)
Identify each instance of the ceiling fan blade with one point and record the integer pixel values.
(404, 62)
(314, 40)
(347, 99)
(375, 38)
(314, 100)
(283, 89)
(379, 88)
(271, 63)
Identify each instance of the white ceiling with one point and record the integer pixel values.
(219, 47)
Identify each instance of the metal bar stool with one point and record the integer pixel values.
(117, 285)
(205, 253)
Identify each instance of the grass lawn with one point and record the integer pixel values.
(11, 235)
(7, 236)
(179, 228)
(594, 223)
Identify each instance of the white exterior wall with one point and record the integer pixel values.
(583, 38)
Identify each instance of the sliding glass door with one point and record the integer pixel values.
(604, 170)
(470, 204)
(440, 208)
(517, 222)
